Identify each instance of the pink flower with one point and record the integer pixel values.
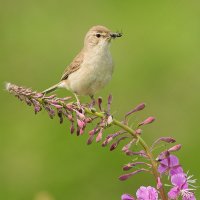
(143, 193)
(171, 164)
(180, 188)
(147, 193)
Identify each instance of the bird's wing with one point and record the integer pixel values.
(74, 66)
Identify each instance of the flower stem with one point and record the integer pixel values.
(142, 143)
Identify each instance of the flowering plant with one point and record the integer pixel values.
(80, 115)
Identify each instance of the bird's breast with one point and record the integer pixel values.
(95, 72)
(99, 63)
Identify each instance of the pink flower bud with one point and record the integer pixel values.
(57, 106)
(65, 98)
(69, 106)
(139, 153)
(115, 144)
(147, 121)
(163, 139)
(28, 102)
(126, 176)
(80, 123)
(127, 146)
(52, 101)
(90, 139)
(127, 197)
(130, 165)
(175, 148)
(99, 136)
(51, 113)
(49, 97)
(127, 167)
(168, 139)
(38, 95)
(60, 115)
(108, 139)
(138, 131)
(94, 131)
(102, 124)
(72, 129)
(129, 152)
(80, 115)
(159, 183)
(136, 109)
(88, 120)
(37, 108)
(81, 131)
(78, 131)
(70, 117)
(110, 99)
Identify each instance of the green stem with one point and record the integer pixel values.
(142, 143)
(140, 140)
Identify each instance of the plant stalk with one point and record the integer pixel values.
(142, 143)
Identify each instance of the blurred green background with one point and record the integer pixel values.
(157, 62)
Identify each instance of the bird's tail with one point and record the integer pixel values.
(51, 89)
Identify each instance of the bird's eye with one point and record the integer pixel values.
(98, 35)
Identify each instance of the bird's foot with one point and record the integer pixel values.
(93, 102)
(78, 103)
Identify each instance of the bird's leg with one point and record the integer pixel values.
(77, 101)
(91, 105)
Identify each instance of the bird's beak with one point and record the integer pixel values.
(114, 35)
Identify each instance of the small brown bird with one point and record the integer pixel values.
(92, 68)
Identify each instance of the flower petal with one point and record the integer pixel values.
(126, 176)
(176, 170)
(162, 168)
(142, 193)
(178, 180)
(174, 193)
(153, 194)
(171, 161)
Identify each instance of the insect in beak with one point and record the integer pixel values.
(114, 35)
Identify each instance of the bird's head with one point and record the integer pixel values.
(99, 36)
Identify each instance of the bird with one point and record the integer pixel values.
(92, 68)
